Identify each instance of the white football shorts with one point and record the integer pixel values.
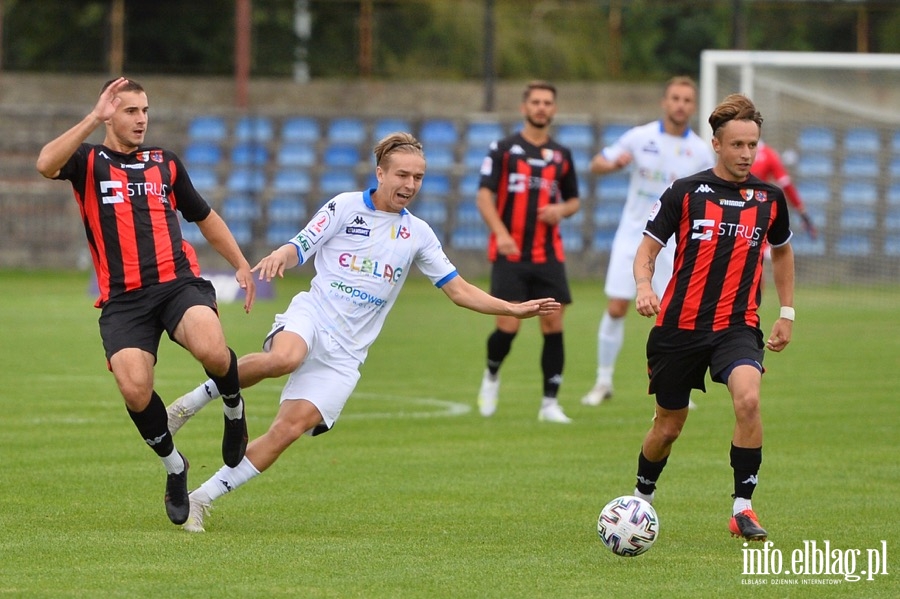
(328, 375)
(620, 274)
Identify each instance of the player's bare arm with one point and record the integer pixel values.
(646, 301)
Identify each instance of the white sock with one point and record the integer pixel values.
(610, 337)
(173, 462)
(228, 479)
(235, 412)
(202, 395)
(548, 401)
(740, 504)
(645, 497)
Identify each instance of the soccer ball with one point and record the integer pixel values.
(628, 525)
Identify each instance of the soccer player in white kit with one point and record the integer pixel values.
(657, 153)
(364, 243)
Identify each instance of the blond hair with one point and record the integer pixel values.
(396, 142)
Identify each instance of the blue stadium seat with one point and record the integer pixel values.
(435, 133)
(246, 180)
(582, 159)
(804, 245)
(301, 129)
(289, 210)
(242, 232)
(291, 180)
(858, 217)
(205, 179)
(480, 134)
(859, 192)
(473, 159)
(571, 230)
(576, 136)
(892, 245)
(815, 165)
(895, 142)
(436, 185)
(467, 213)
(253, 128)
(191, 233)
(440, 158)
(612, 188)
(341, 155)
(607, 215)
(862, 140)
(279, 233)
(470, 237)
(335, 181)
(240, 208)
(816, 139)
(468, 185)
(602, 241)
(894, 168)
(856, 165)
(612, 132)
(381, 128)
(202, 153)
(893, 195)
(814, 193)
(853, 245)
(347, 131)
(892, 219)
(296, 153)
(207, 128)
(434, 212)
(249, 153)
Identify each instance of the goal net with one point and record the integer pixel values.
(835, 119)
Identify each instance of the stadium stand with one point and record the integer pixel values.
(576, 136)
(435, 133)
(480, 134)
(254, 128)
(383, 127)
(816, 139)
(202, 153)
(300, 129)
(292, 181)
(249, 153)
(341, 155)
(349, 131)
(296, 153)
(246, 180)
(862, 140)
(207, 128)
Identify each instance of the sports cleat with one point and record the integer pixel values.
(178, 414)
(177, 501)
(553, 413)
(234, 439)
(199, 510)
(746, 524)
(596, 396)
(691, 405)
(487, 395)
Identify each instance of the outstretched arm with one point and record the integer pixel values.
(54, 155)
(466, 295)
(646, 302)
(220, 238)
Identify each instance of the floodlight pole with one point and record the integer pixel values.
(489, 75)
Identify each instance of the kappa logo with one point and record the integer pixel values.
(752, 480)
(227, 485)
(360, 221)
(516, 149)
(704, 188)
(156, 441)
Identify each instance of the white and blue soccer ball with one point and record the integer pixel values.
(628, 526)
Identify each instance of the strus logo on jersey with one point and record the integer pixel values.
(367, 266)
(704, 229)
(112, 192)
(518, 183)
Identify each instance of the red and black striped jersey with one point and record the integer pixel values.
(128, 205)
(720, 229)
(524, 178)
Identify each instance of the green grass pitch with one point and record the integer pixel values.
(413, 494)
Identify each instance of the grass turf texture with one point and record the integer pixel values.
(411, 495)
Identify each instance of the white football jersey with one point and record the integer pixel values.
(657, 160)
(362, 258)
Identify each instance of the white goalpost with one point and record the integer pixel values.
(835, 118)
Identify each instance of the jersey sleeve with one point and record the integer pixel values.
(568, 184)
(491, 167)
(780, 231)
(666, 214)
(321, 227)
(75, 168)
(188, 200)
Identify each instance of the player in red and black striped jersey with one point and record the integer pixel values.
(721, 220)
(148, 275)
(528, 185)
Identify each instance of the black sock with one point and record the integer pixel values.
(498, 346)
(552, 359)
(648, 473)
(153, 424)
(229, 385)
(745, 462)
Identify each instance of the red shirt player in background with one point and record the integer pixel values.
(768, 166)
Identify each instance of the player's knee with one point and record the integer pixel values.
(284, 361)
